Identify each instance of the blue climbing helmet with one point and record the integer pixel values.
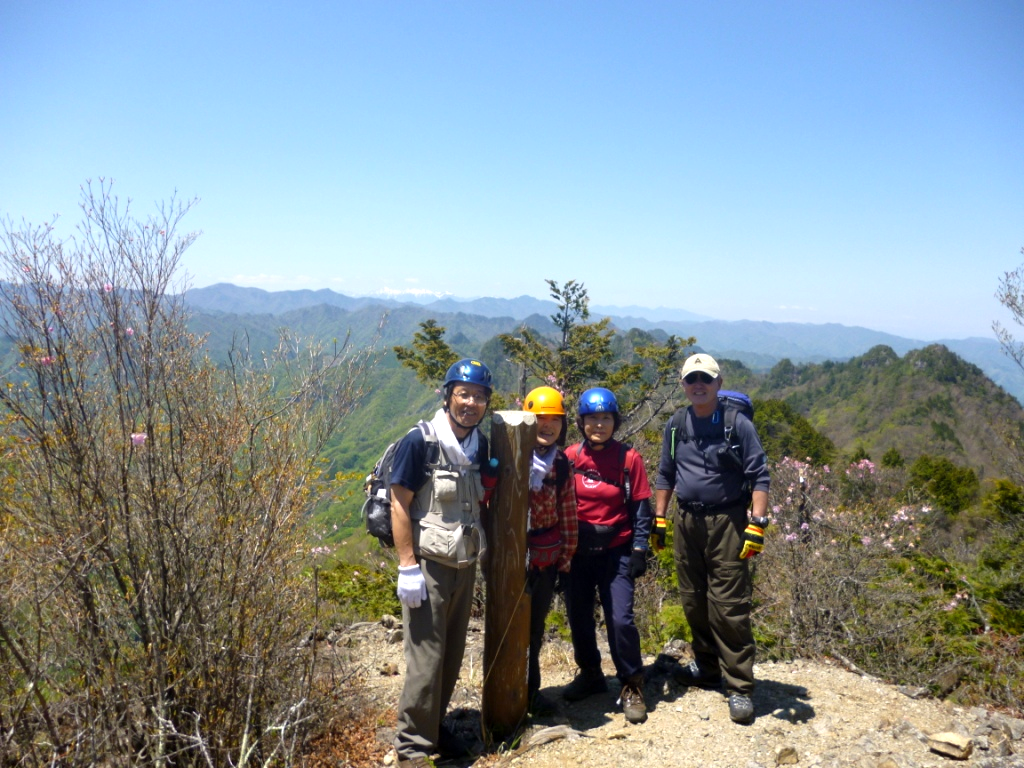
(469, 372)
(598, 400)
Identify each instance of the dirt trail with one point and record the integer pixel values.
(808, 714)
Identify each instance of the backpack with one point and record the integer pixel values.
(729, 404)
(376, 509)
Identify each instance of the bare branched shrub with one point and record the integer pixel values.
(150, 540)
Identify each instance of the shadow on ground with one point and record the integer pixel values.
(771, 698)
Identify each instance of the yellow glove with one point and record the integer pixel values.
(753, 541)
(658, 533)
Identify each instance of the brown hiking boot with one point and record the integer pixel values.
(632, 698)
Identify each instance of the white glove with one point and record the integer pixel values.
(412, 588)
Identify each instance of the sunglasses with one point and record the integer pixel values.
(693, 378)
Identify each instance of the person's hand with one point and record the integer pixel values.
(638, 563)
(489, 480)
(412, 587)
(753, 541)
(659, 534)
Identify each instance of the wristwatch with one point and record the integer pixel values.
(761, 521)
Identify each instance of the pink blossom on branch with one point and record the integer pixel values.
(139, 438)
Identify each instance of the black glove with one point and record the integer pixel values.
(638, 563)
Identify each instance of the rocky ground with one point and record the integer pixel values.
(808, 714)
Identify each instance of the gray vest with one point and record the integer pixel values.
(446, 515)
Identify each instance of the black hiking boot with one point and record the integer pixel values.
(541, 705)
(588, 682)
(451, 746)
(692, 674)
(741, 708)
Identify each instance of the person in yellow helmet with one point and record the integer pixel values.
(552, 527)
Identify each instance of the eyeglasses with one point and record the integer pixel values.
(693, 378)
(469, 397)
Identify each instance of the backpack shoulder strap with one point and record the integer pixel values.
(627, 485)
(434, 451)
(677, 430)
(561, 466)
(729, 420)
(561, 469)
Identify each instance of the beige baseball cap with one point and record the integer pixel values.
(700, 362)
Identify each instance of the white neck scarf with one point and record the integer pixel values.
(457, 453)
(540, 467)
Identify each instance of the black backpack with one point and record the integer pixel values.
(729, 403)
(377, 507)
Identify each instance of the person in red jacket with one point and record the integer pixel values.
(615, 518)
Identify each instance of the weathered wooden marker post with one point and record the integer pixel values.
(507, 615)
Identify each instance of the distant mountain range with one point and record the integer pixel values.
(759, 345)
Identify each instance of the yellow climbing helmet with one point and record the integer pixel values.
(545, 401)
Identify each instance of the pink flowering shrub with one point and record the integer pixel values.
(852, 569)
(826, 570)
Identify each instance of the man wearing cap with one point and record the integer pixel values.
(714, 485)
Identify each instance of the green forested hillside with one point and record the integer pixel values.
(927, 402)
(366, 326)
(930, 401)
(396, 400)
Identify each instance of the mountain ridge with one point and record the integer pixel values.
(759, 344)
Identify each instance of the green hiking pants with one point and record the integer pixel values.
(716, 592)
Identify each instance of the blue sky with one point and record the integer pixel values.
(851, 162)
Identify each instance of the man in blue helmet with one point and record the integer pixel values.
(435, 514)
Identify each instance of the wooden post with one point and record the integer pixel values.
(507, 616)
